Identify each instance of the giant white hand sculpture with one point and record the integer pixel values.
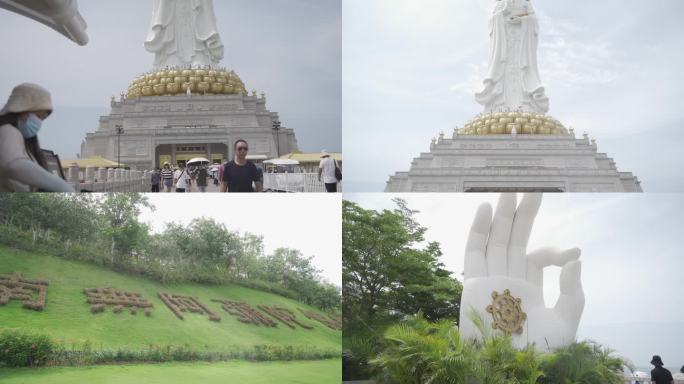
(497, 265)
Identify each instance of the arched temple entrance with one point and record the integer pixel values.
(177, 154)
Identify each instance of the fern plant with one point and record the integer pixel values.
(421, 352)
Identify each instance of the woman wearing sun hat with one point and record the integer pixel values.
(23, 167)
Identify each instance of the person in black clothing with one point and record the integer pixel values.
(660, 375)
(156, 179)
(201, 175)
(239, 174)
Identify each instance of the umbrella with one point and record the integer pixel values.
(641, 375)
(200, 160)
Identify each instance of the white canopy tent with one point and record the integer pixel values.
(282, 162)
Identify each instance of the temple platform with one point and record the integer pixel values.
(513, 163)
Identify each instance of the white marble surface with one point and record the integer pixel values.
(61, 15)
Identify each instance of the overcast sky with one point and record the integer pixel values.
(311, 224)
(611, 68)
(632, 264)
(290, 49)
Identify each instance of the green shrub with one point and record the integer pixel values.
(586, 362)
(19, 349)
(417, 351)
(83, 355)
(25, 350)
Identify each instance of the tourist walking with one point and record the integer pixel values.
(659, 374)
(182, 179)
(155, 179)
(202, 178)
(239, 174)
(167, 177)
(329, 171)
(23, 166)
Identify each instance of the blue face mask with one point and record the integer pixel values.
(29, 128)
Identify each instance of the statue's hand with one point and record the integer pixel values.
(514, 20)
(496, 261)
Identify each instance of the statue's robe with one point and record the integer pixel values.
(179, 38)
(530, 86)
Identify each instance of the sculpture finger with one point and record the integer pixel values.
(499, 235)
(571, 301)
(475, 263)
(545, 257)
(520, 234)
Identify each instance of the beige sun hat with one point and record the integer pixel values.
(28, 97)
(324, 153)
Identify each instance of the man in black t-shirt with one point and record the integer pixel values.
(660, 375)
(239, 174)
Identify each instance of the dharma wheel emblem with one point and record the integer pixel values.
(507, 312)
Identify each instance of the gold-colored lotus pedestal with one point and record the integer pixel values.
(502, 123)
(507, 313)
(177, 81)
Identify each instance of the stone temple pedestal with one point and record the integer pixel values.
(513, 163)
(176, 128)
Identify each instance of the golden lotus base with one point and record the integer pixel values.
(176, 81)
(504, 123)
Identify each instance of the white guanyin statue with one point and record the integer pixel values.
(512, 82)
(184, 33)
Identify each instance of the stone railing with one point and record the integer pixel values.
(108, 180)
(294, 182)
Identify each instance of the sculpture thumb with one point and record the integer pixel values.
(571, 301)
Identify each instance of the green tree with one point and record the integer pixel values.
(295, 272)
(384, 272)
(120, 212)
(247, 265)
(387, 276)
(67, 216)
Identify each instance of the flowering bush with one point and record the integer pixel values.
(25, 350)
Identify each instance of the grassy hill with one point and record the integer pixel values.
(67, 317)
